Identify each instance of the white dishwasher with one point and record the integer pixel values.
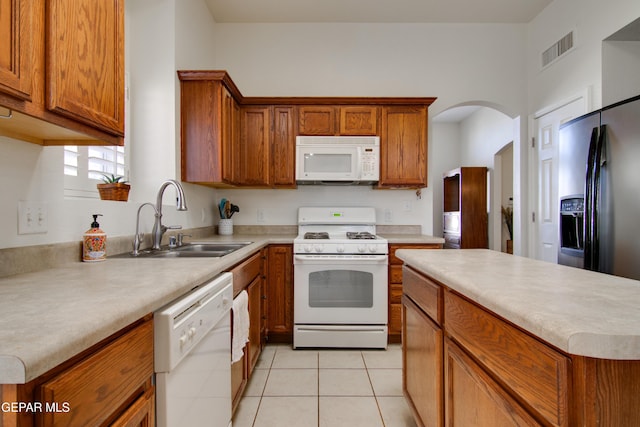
(193, 357)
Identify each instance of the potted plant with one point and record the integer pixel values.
(114, 187)
(507, 216)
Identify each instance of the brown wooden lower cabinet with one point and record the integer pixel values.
(473, 398)
(466, 366)
(109, 384)
(395, 286)
(248, 276)
(422, 363)
(279, 294)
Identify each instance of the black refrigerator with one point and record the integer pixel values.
(599, 190)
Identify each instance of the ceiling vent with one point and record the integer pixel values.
(558, 49)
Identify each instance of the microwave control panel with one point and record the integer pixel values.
(370, 165)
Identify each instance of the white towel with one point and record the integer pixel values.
(240, 325)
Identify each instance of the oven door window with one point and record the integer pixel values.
(341, 289)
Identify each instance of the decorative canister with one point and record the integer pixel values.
(94, 243)
(225, 227)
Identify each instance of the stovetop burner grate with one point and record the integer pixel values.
(360, 235)
(316, 235)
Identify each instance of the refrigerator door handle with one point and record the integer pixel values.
(598, 162)
(589, 201)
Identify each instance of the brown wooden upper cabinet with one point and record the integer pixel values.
(316, 120)
(85, 61)
(254, 148)
(16, 23)
(62, 71)
(338, 120)
(209, 128)
(403, 147)
(231, 140)
(359, 120)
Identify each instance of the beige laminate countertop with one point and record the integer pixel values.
(49, 316)
(413, 239)
(52, 315)
(580, 312)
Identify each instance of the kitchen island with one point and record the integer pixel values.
(495, 339)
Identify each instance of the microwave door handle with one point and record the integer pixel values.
(359, 162)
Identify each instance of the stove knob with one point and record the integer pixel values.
(373, 248)
(183, 340)
(318, 248)
(308, 248)
(362, 248)
(340, 249)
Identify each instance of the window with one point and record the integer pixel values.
(84, 166)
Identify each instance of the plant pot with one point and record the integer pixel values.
(117, 191)
(510, 246)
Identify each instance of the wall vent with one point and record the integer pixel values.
(558, 49)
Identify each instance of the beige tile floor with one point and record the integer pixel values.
(325, 388)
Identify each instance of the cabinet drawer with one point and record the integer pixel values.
(394, 260)
(424, 292)
(533, 371)
(245, 272)
(106, 380)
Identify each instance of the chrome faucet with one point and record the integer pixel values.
(181, 205)
(139, 236)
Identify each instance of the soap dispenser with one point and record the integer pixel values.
(94, 242)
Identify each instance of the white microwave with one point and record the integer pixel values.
(337, 159)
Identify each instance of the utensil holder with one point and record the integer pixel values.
(225, 227)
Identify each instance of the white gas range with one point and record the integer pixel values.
(340, 279)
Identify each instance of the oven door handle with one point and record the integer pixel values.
(340, 259)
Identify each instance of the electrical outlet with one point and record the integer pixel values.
(388, 215)
(32, 217)
(261, 219)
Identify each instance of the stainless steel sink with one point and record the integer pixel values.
(211, 247)
(190, 250)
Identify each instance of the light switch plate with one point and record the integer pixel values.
(32, 217)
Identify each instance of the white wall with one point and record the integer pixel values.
(154, 51)
(456, 63)
(495, 65)
(593, 21)
(620, 70)
(482, 136)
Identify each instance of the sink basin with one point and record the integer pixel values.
(190, 250)
(211, 247)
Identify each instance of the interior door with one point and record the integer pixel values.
(546, 213)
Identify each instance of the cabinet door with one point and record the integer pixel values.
(422, 365)
(403, 147)
(229, 137)
(254, 149)
(140, 414)
(280, 293)
(283, 148)
(103, 382)
(16, 32)
(359, 120)
(317, 120)
(254, 345)
(473, 398)
(85, 61)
